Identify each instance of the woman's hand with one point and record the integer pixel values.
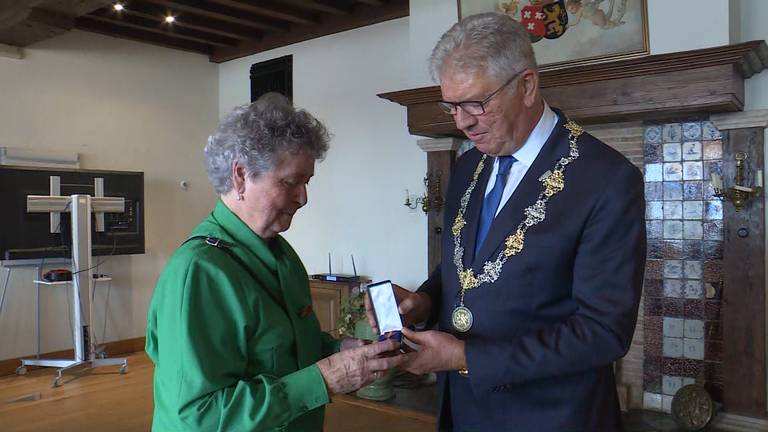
(351, 369)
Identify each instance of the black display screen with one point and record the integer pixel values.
(26, 235)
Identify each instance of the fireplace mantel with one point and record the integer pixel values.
(709, 80)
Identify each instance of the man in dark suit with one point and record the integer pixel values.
(542, 269)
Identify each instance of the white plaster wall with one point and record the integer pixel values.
(355, 200)
(122, 106)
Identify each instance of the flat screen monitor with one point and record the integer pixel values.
(25, 235)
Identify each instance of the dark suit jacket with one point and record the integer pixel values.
(545, 335)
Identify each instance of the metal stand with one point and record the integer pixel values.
(81, 207)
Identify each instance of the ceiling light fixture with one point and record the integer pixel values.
(170, 19)
(118, 7)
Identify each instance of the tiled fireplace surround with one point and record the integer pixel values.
(679, 335)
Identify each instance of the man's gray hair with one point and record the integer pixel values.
(258, 135)
(490, 43)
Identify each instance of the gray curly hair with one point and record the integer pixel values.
(257, 135)
(491, 43)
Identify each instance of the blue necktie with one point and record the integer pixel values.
(492, 200)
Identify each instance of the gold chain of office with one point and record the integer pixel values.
(552, 182)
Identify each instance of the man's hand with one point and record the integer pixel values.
(349, 343)
(351, 369)
(413, 307)
(439, 352)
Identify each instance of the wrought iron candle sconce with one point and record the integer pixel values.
(432, 199)
(739, 194)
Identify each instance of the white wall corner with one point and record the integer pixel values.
(11, 52)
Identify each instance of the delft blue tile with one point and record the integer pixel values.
(654, 191)
(673, 307)
(692, 250)
(666, 403)
(692, 269)
(652, 401)
(693, 348)
(693, 171)
(654, 269)
(673, 171)
(653, 134)
(688, 381)
(671, 384)
(673, 269)
(692, 151)
(673, 209)
(652, 153)
(672, 132)
(693, 289)
(693, 309)
(673, 249)
(713, 230)
(709, 131)
(673, 288)
(672, 152)
(673, 190)
(694, 329)
(653, 172)
(692, 190)
(673, 347)
(712, 150)
(654, 209)
(673, 230)
(713, 270)
(709, 191)
(713, 210)
(693, 230)
(710, 167)
(692, 131)
(674, 327)
(713, 250)
(655, 249)
(693, 210)
(654, 229)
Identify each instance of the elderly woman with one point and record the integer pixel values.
(231, 331)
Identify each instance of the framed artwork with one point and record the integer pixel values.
(574, 32)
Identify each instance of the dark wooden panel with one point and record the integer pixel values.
(743, 309)
(438, 162)
(655, 87)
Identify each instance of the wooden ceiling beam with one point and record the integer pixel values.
(168, 30)
(208, 9)
(359, 18)
(273, 11)
(320, 6)
(195, 22)
(92, 25)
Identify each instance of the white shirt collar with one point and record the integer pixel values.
(539, 135)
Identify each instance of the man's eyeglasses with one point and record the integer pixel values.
(474, 108)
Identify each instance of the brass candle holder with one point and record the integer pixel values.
(739, 194)
(432, 199)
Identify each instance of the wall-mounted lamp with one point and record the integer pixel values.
(432, 199)
(739, 194)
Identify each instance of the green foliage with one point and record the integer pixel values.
(352, 311)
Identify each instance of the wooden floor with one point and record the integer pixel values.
(102, 399)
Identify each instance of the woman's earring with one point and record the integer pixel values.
(239, 197)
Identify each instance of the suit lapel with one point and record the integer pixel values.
(525, 194)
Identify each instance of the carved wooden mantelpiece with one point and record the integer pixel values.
(709, 80)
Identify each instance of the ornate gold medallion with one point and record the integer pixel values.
(692, 407)
(462, 319)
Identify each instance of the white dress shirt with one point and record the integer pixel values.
(525, 156)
